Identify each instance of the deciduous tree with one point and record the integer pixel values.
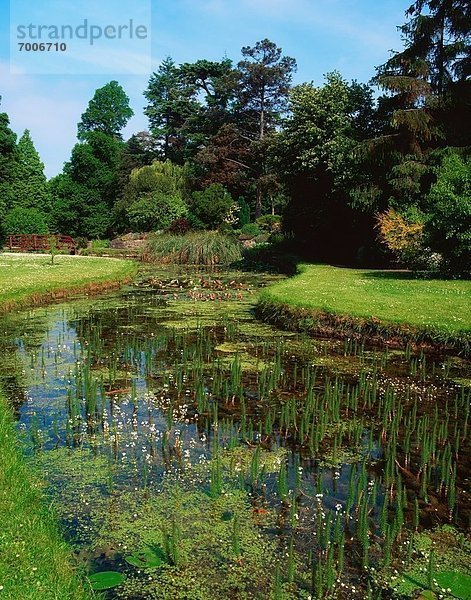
(108, 112)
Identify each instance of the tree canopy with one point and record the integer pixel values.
(108, 112)
(233, 141)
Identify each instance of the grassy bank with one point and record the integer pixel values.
(385, 304)
(34, 561)
(31, 280)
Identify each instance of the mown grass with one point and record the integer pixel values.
(196, 248)
(28, 280)
(35, 563)
(383, 303)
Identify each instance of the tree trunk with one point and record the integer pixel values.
(258, 201)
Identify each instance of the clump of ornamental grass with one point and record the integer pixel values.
(196, 248)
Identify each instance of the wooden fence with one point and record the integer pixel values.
(40, 243)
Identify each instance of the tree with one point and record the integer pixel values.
(154, 196)
(171, 104)
(22, 220)
(69, 204)
(266, 77)
(7, 163)
(212, 206)
(226, 159)
(156, 211)
(215, 84)
(86, 192)
(426, 102)
(315, 156)
(265, 80)
(88, 188)
(448, 221)
(29, 185)
(436, 41)
(108, 112)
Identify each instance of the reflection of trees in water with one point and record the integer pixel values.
(12, 378)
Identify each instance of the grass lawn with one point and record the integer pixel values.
(34, 560)
(24, 277)
(390, 296)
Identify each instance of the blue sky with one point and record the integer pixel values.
(352, 36)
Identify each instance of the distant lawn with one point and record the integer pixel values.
(390, 296)
(26, 278)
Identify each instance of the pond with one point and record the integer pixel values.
(193, 452)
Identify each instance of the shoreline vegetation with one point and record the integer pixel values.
(384, 306)
(35, 562)
(27, 281)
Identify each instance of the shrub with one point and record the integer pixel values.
(81, 242)
(403, 235)
(179, 226)
(269, 223)
(157, 211)
(25, 221)
(100, 244)
(250, 229)
(449, 214)
(213, 206)
(195, 222)
(196, 248)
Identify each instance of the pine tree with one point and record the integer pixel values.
(265, 82)
(171, 104)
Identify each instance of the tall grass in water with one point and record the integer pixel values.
(34, 562)
(197, 248)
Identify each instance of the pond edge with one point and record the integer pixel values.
(325, 324)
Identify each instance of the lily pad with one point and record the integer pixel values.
(106, 580)
(149, 558)
(459, 584)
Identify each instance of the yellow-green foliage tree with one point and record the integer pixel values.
(402, 235)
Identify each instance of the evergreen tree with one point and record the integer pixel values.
(7, 163)
(265, 80)
(426, 102)
(171, 104)
(29, 185)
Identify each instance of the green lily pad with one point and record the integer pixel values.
(106, 580)
(149, 558)
(459, 584)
